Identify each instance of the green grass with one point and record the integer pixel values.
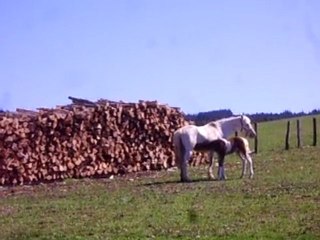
(281, 202)
(272, 134)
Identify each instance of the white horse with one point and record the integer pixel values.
(187, 137)
(225, 147)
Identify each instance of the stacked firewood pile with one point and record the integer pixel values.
(87, 139)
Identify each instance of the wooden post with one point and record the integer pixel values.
(236, 133)
(256, 138)
(298, 134)
(314, 132)
(287, 136)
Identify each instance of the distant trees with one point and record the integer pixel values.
(204, 117)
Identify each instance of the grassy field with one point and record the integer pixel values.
(281, 202)
(272, 134)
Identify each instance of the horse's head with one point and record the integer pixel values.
(246, 126)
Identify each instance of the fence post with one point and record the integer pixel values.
(298, 134)
(287, 145)
(314, 132)
(256, 138)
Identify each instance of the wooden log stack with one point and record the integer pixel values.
(87, 139)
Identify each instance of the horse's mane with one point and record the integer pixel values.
(216, 123)
(213, 124)
(224, 119)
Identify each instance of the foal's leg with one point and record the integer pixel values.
(249, 159)
(184, 167)
(244, 165)
(221, 175)
(246, 158)
(211, 165)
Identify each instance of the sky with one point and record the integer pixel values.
(200, 55)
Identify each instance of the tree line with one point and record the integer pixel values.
(204, 117)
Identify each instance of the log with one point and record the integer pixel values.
(80, 101)
(26, 112)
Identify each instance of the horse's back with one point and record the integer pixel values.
(184, 132)
(209, 132)
(190, 135)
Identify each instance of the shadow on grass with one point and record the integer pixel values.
(159, 183)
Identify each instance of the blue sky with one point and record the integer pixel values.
(200, 55)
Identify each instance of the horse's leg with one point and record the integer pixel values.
(221, 174)
(244, 165)
(249, 159)
(184, 167)
(211, 165)
(177, 156)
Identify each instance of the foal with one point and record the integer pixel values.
(188, 136)
(224, 147)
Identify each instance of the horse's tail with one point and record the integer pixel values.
(178, 148)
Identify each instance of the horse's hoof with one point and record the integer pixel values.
(186, 180)
(222, 178)
(211, 177)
